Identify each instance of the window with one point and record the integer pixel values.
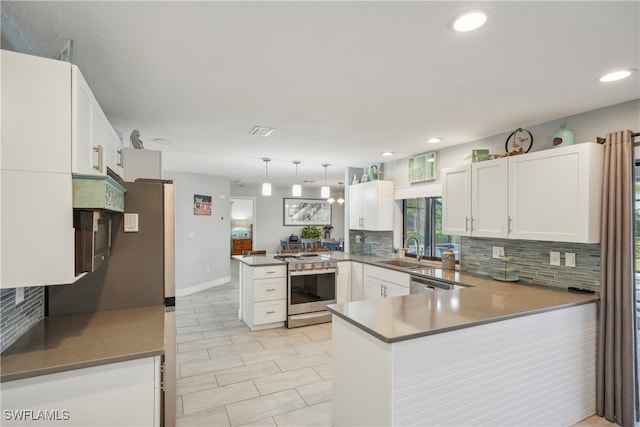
(423, 220)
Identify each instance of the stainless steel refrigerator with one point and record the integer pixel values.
(140, 271)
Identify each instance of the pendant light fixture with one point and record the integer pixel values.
(325, 190)
(340, 197)
(266, 186)
(296, 189)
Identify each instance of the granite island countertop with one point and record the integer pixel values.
(485, 300)
(75, 341)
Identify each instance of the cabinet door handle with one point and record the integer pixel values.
(270, 290)
(271, 312)
(472, 219)
(509, 225)
(100, 152)
(466, 223)
(271, 272)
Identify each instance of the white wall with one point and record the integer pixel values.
(202, 242)
(267, 227)
(586, 127)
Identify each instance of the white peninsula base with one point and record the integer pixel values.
(537, 369)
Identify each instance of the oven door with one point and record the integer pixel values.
(311, 291)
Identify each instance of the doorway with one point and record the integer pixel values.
(242, 220)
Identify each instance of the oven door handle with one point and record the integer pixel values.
(312, 272)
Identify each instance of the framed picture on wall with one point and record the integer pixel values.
(306, 212)
(201, 205)
(422, 168)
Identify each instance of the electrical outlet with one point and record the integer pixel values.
(554, 258)
(569, 259)
(498, 251)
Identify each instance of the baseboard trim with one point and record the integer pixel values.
(202, 286)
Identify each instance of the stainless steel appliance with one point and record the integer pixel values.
(311, 286)
(419, 284)
(140, 272)
(92, 239)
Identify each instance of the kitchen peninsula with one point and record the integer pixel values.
(494, 353)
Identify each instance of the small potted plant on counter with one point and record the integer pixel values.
(327, 231)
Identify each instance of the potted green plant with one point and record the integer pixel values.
(311, 232)
(327, 231)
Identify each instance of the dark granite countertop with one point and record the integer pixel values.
(67, 342)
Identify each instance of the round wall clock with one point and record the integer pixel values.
(519, 141)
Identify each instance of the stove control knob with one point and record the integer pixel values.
(311, 266)
(299, 266)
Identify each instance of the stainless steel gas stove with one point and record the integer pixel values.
(311, 286)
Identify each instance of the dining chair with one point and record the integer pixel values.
(310, 243)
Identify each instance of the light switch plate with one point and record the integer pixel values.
(130, 223)
(569, 259)
(498, 251)
(554, 258)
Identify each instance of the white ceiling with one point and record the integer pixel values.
(339, 81)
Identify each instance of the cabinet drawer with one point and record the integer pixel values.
(270, 271)
(242, 244)
(269, 312)
(269, 289)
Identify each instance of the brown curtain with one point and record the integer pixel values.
(617, 375)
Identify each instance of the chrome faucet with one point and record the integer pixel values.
(418, 256)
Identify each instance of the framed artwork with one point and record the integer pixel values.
(422, 168)
(306, 212)
(201, 205)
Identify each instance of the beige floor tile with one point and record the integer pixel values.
(200, 327)
(316, 415)
(270, 354)
(284, 340)
(265, 406)
(195, 383)
(218, 397)
(265, 422)
(213, 417)
(313, 346)
(227, 332)
(195, 336)
(325, 370)
(186, 356)
(203, 344)
(248, 372)
(184, 321)
(319, 334)
(197, 367)
(595, 421)
(233, 323)
(245, 347)
(179, 410)
(286, 380)
(316, 392)
(255, 336)
(297, 331)
(299, 361)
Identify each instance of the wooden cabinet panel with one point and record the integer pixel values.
(239, 245)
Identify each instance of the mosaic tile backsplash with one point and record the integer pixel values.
(531, 259)
(15, 320)
(371, 242)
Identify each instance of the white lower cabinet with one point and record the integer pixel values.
(116, 394)
(384, 282)
(357, 281)
(264, 296)
(343, 282)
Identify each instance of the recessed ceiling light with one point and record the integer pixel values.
(434, 140)
(261, 131)
(616, 75)
(387, 153)
(469, 21)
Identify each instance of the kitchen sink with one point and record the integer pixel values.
(403, 264)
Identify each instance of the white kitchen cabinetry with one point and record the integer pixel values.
(343, 282)
(357, 281)
(476, 199)
(384, 282)
(117, 394)
(551, 195)
(142, 164)
(264, 296)
(555, 194)
(371, 206)
(37, 213)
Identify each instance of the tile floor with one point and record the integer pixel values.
(230, 376)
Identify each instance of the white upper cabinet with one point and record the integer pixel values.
(555, 194)
(37, 206)
(551, 195)
(371, 206)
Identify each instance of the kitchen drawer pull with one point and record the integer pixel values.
(271, 272)
(119, 162)
(100, 152)
(271, 312)
(508, 225)
(466, 223)
(270, 290)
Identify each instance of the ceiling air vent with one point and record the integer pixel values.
(261, 131)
